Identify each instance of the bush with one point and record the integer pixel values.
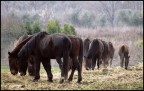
(131, 17)
(36, 27)
(68, 29)
(53, 26)
(27, 27)
(139, 43)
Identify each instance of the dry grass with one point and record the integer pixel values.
(114, 78)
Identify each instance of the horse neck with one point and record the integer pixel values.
(17, 49)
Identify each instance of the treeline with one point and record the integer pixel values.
(88, 14)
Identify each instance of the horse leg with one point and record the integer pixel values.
(72, 72)
(36, 70)
(111, 61)
(122, 60)
(93, 62)
(87, 64)
(47, 67)
(79, 68)
(64, 71)
(59, 61)
(126, 64)
(98, 63)
(30, 67)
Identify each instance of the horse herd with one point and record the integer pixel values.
(32, 50)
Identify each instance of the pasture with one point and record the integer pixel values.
(114, 78)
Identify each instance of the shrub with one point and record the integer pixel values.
(36, 27)
(68, 29)
(53, 26)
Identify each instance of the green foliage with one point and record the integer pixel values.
(74, 18)
(31, 23)
(139, 42)
(27, 27)
(131, 17)
(82, 20)
(68, 29)
(36, 27)
(53, 26)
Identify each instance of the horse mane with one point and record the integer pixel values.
(20, 45)
(31, 45)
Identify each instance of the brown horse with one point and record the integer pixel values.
(44, 47)
(124, 55)
(76, 54)
(111, 52)
(13, 58)
(85, 50)
(108, 53)
(30, 62)
(105, 54)
(95, 52)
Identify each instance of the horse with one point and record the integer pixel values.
(95, 52)
(111, 52)
(30, 62)
(86, 45)
(124, 55)
(76, 55)
(12, 56)
(44, 47)
(105, 54)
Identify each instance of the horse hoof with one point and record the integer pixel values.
(35, 80)
(70, 79)
(50, 80)
(79, 82)
(61, 81)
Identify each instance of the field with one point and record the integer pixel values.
(114, 78)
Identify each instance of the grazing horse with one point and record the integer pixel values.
(30, 62)
(44, 47)
(76, 55)
(111, 52)
(13, 58)
(105, 54)
(95, 52)
(124, 55)
(85, 50)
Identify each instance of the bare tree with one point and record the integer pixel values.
(109, 8)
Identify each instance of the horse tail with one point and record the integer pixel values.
(67, 47)
(80, 58)
(30, 45)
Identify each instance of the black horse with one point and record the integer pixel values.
(95, 52)
(86, 45)
(75, 57)
(44, 47)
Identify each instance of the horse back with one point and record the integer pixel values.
(123, 50)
